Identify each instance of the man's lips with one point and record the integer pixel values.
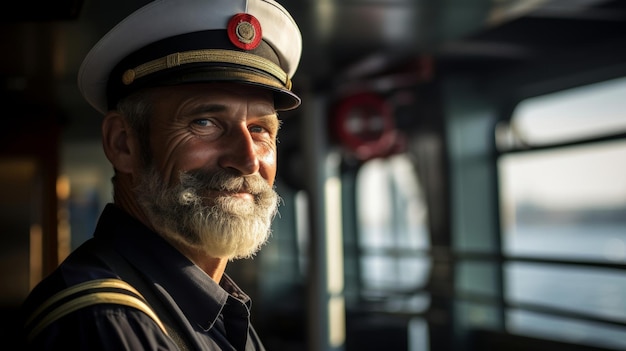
(243, 195)
(227, 193)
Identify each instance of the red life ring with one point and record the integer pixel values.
(364, 124)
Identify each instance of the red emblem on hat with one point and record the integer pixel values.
(244, 31)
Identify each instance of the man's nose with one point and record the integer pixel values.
(240, 152)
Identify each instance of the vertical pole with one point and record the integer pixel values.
(326, 310)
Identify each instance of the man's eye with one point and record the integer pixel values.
(203, 122)
(257, 129)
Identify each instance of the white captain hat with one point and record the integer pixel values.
(169, 42)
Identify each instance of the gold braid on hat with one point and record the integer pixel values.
(207, 56)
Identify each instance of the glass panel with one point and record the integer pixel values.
(476, 315)
(399, 273)
(588, 111)
(391, 212)
(576, 332)
(477, 278)
(393, 235)
(594, 291)
(566, 203)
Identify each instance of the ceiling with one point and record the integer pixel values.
(344, 40)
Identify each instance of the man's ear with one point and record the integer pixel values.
(118, 142)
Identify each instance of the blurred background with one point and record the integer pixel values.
(455, 178)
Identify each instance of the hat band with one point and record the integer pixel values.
(207, 56)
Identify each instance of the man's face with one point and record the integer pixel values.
(213, 163)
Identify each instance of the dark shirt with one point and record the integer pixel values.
(213, 316)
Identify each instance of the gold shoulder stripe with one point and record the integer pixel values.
(93, 298)
(92, 284)
(210, 56)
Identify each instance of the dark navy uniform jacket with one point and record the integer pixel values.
(212, 316)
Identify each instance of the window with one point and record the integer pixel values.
(393, 237)
(563, 216)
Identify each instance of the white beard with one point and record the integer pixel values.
(224, 226)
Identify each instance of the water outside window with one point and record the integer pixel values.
(567, 203)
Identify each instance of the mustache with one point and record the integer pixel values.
(223, 181)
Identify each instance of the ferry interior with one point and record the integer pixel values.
(454, 179)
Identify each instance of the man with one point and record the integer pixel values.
(189, 91)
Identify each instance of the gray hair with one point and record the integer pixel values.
(138, 108)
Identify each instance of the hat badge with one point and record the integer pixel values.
(244, 31)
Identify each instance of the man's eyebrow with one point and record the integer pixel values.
(207, 108)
